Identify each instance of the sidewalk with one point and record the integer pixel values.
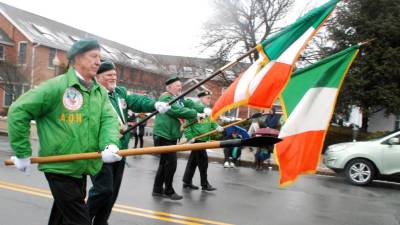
(246, 159)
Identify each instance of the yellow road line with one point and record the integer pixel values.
(155, 217)
(44, 191)
(25, 191)
(119, 207)
(171, 215)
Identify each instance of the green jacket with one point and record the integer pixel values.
(168, 125)
(121, 102)
(198, 128)
(69, 119)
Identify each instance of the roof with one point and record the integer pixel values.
(50, 33)
(57, 35)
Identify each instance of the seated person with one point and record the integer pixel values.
(261, 155)
(232, 154)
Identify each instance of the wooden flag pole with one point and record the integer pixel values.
(220, 70)
(256, 115)
(255, 142)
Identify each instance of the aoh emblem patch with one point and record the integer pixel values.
(72, 99)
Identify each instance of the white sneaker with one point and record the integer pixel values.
(226, 164)
(232, 165)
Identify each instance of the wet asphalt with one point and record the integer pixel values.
(244, 196)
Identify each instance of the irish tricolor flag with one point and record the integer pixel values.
(308, 102)
(260, 85)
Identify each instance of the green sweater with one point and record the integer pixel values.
(69, 118)
(168, 125)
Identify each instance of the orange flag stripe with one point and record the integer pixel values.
(299, 154)
(270, 87)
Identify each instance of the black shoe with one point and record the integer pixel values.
(157, 194)
(190, 186)
(208, 187)
(174, 196)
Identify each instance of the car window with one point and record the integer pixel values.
(387, 141)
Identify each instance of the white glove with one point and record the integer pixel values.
(22, 164)
(207, 111)
(162, 107)
(109, 155)
(191, 141)
(201, 116)
(220, 129)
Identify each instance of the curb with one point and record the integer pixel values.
(250, 164)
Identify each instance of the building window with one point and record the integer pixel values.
(12, 92)
(2, 52)
(397, 122)
(22, 47)
(209, 71)
(121, 74)
(74, 38)
(45, 32)
(52, 54)
(8, 95)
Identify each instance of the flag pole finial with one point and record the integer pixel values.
(366, 42)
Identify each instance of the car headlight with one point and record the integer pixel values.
(337, 148)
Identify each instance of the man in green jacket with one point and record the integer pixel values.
(167, 132)
(199, 158)
(73, 115)
(107, 182)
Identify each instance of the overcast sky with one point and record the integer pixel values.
(171, 27)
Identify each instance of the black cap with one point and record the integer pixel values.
(171, 80)
(203, 93)
(105, 66)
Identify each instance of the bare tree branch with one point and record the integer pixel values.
(239, 25)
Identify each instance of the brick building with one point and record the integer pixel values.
(33, 49)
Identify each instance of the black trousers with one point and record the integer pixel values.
(138, 138)
(166, 168)
(104, 192)
(69, 207)
(196, 159)
(228, 154)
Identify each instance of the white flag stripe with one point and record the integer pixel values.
(259, 76)
(312, 113)
(241, 88)
(290, 54)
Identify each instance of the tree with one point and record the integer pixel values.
(239, 25)
(373, 81)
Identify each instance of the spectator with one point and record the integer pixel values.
(261, 155)
(139, 133)
(232, 154)
(272, 121)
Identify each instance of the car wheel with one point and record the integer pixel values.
(360, 172)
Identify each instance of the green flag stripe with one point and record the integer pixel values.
(325, 73)
(278, 43)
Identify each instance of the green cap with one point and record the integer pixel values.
(106, 66)
(203, 93)
(171, 80)
(82, 46)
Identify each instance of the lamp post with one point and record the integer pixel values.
(56, 63)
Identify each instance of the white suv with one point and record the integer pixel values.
(365, 161)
